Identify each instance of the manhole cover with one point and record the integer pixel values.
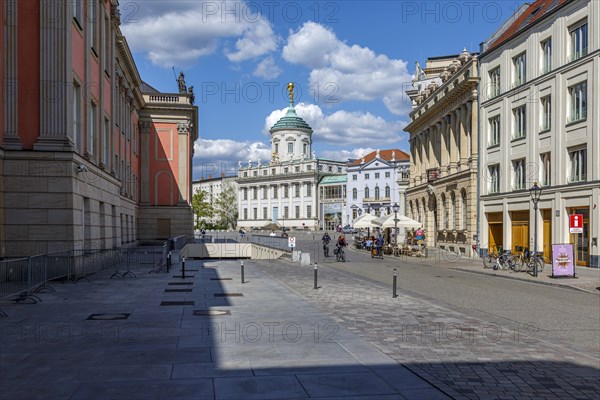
(229, 295)
(211, 313)
(181, 283)
(108, 317)
(177, 303)
(221, 279)
(178, 290)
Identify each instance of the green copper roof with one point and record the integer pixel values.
(334, 179)
(291, 121)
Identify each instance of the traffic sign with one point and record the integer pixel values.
(291, 241)
(576, 223)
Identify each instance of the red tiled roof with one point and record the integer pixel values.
(383, 155)
(537, 10)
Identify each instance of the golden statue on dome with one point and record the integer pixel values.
(290, 88)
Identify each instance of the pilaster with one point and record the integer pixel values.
(145, 162)
(11, 139)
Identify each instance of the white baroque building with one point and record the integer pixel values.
(376, 182)
(285, 189)
(540, 79)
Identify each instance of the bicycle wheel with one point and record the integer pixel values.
(540, 264)
(489, 261)
(519, 263)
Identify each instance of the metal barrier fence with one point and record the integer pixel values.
(274, 242)
(152, 257)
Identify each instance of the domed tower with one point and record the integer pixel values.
(291, 136)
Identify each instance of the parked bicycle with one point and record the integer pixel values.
(499, 259)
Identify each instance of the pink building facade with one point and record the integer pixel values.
(91, 157)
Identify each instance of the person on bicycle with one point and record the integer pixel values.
(341, 242)
(326, 239)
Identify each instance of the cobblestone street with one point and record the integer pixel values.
(464, 355)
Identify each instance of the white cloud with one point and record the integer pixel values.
(358, 72)
(353, 154)
(344, 128)
(267, 69)
(211, 156)
(179, 32)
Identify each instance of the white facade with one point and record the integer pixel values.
(213, 188)
(376, 181)
(539, 122)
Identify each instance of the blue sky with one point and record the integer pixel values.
(351, 62)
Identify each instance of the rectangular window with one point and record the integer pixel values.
(519, 63)
(77, 116)
(546, 170)
(264, 193)
(245, 193)
(309, 190)
(77, 11)
(264, 172)
(309, 167)
(275, 192)
(285, 170)
(297, 211)
(245, 213)
(297, 169)
(494, 136)
(308, 211)
(546, 56)
(254, 173)
(339, 170)
(254, 194)
(296, 190)
(106, 143)
(255, 213)
(579, 41)
(387, 174)
(290, 148)
(286, 191)
(519, 181)
(93, 128)
(265, 213)
(305, 149)
(495, 82)
(545, 113)
(494, 178)
(106, 44)
(578, 100)
(376, 175)
(286, 212)
(354, 177)
(366, 176)
(519, 130)
(93, 19)
(578, 159)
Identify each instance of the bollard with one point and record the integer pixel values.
(168, 262)
(394, 295)
(183, 268)
(315, 276)
(242, 270)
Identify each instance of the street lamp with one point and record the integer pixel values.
(535, 192)
(395, 208)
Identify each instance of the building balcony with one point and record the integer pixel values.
(166, 98)
(377, 200)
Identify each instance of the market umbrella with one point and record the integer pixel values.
(364, 221)
(387, 221)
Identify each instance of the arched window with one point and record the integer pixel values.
(444, 212)
(366, 192)
(387, 191)
(354, 194)
(464, 209)
(376, 192)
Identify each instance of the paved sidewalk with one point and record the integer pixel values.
(467, 355)
(269, 344)
(587, 279)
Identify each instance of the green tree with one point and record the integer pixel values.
(202, 208)
(226, 206)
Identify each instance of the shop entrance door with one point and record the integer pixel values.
(547, 217)
(520, 230)
(581, 241)
(496, 232)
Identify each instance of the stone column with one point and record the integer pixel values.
(474, 127)
(11, 139)
(432, 154)
(183, 130)
(145, 162)
(56, 77)
(465, 143)
(444, 148)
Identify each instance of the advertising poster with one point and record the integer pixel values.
(562, 260)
